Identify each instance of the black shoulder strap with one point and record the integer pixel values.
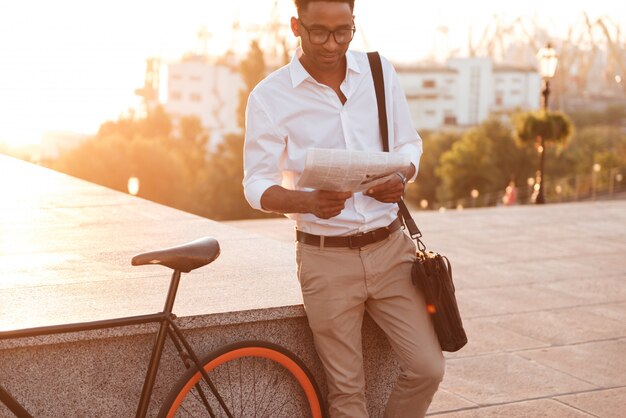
(379, 88)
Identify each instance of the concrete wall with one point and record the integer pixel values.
(97, 376)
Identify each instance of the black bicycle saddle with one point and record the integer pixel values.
(185, 257)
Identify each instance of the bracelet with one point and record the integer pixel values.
(402, 178)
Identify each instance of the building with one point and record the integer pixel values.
(466, 90)
(209, 90)
(431, 93)
(516, 88)
(461, 93)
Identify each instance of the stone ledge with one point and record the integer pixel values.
(65, 257)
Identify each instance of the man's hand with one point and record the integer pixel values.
(392, 190)
(326, 204)
(388, 192)
(321, 203)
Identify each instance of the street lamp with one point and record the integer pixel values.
(133, 186)
(474, 193)
(547, 66)
(594, 179)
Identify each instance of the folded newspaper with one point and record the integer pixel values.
(349, 171)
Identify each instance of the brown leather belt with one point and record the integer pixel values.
(351, 241)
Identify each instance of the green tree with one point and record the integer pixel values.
(486, 158)
(427, 182)
(602, 144)
(112, 160)
(613, 115)
(192, 133)
(543, 128)
(191, 145)
(223, 196)
(252, 70)
(226, 196)
(468, 165)
(100, 161)
(511, 162)
(139, 147)
(162, 173)
(156, 124)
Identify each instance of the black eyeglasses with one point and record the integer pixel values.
(321, 36)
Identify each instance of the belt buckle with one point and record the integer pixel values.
(356, 236)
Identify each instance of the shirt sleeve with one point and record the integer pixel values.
(406, 138)
(263, 150)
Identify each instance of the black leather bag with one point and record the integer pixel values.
(431, 272)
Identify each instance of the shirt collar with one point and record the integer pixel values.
(299, 73)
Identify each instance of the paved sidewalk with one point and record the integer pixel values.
(542, 290)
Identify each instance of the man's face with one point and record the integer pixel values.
(329, 16)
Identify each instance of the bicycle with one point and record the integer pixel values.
(242, 379)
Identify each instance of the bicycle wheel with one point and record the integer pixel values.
(254, 378)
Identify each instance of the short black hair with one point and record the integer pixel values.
(302, 5)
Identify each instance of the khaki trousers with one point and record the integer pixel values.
(338, 286)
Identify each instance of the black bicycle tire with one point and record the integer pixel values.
(185, 383)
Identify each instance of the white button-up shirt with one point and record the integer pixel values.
(289, 112)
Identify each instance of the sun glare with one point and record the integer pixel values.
(72, 65)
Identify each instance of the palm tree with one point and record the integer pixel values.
(542, 127)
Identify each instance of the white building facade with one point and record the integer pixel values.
(466, 90)
(431, 93)
(210, 91)
(516, 87)
(461, 93)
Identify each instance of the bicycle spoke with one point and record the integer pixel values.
(205, 401)
(230, 385)
(251, 385)
(263, 397)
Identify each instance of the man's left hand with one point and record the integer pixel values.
(392, 190)
(388, 192)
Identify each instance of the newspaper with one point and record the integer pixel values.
(349, 171)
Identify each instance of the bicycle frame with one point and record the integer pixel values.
(167, 327)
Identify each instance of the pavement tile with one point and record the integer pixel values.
(446, 401)
(598, 289)
(529, 249)
(600, 363)
(524, 272)
(615, 311)
(501, 378)
(485, 337)
(564, 326)
(544, 408)
(611, 240)
(602, 403)
(512, 299)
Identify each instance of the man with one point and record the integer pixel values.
(351, 254)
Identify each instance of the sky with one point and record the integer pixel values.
(69, 65)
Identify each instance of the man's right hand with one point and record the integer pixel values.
(326, 204)
(321, 203)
